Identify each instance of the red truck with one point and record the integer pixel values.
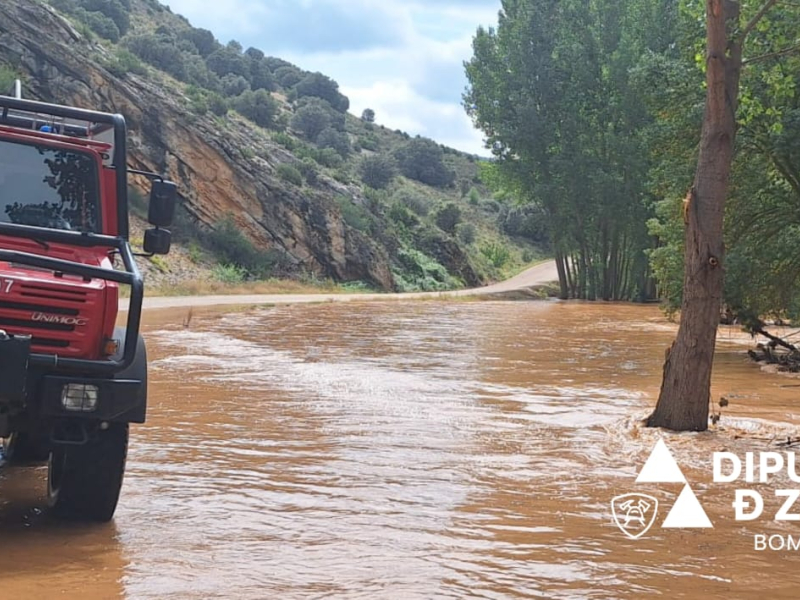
(70, 379)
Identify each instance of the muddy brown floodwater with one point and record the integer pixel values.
(409, 450)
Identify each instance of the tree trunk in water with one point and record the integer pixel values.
(562, 277)
(685, 390)
(569, 268)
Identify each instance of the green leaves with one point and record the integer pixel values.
(553, 90)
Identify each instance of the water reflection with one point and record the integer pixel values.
(422, 450)
(45, 558)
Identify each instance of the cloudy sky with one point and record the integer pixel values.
(402, 58)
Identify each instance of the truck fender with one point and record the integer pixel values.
(136, 371)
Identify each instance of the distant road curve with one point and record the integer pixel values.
(540, 274)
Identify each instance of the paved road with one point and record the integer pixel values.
(540, 274)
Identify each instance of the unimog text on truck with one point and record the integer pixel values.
(70, 380)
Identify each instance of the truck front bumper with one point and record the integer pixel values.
(113, 399)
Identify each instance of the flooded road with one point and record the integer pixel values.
(410, 450)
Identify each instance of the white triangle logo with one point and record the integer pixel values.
(687, 512)
(661, 467)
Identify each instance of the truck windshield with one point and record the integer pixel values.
(48, 187)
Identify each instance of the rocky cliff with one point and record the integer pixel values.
(222, 172)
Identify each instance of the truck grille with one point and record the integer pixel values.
(17, 311)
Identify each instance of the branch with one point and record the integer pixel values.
(775, 54)
(756, 18)
(775, 339)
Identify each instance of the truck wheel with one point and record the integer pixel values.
(83, 482)
(24, 448)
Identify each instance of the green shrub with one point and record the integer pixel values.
(311, 120)
(159, 262)
(7, 78)
(400, 214)
(352, 214)
(218, 105)
(474, 197)
(258, 106)
(232, 247)
(322, 86)
(308, 169)
(528, 221)
(285, 140)
(496, 253)
(357, 286)
(467, 233)
(448, 216)
(230, 274)
(288, 76)
(377, 171)
(290, 173)
(421, 159)
(99, 23)
(199, 106)
(421, 272)
(234, 85)
(335, 140)
(115, 11)
(368, 142)
(124, 62)
(413, 200)
(159, 51)
(490, 206)
(202, 39)
(195, 252)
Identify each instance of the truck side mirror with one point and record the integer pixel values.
(163, 197)
(157, 241)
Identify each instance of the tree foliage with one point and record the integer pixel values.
(258, 106)
(378, 170)
(551, 89)
(448, 216)
(762, 271)
(421, 159)
(322, 86)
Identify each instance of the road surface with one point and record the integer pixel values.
(538, 275)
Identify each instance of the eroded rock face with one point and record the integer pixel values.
(229, 172)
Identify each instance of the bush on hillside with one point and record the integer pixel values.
(421, 159)
(335, 140)
(258, 106)
(377, 171)
(448, 216)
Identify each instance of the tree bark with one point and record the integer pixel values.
(562, 276)
(684, 399)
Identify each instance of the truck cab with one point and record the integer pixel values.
(71, 380)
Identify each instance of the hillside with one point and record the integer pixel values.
(276, 177)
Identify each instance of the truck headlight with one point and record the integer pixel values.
(79, 397)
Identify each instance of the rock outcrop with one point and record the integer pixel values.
(222, 170)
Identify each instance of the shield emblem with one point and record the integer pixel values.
(634, 514)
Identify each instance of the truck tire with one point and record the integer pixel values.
(24, 448)
(84, 482)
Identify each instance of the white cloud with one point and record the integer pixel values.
(398, 106)
(402, 58)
